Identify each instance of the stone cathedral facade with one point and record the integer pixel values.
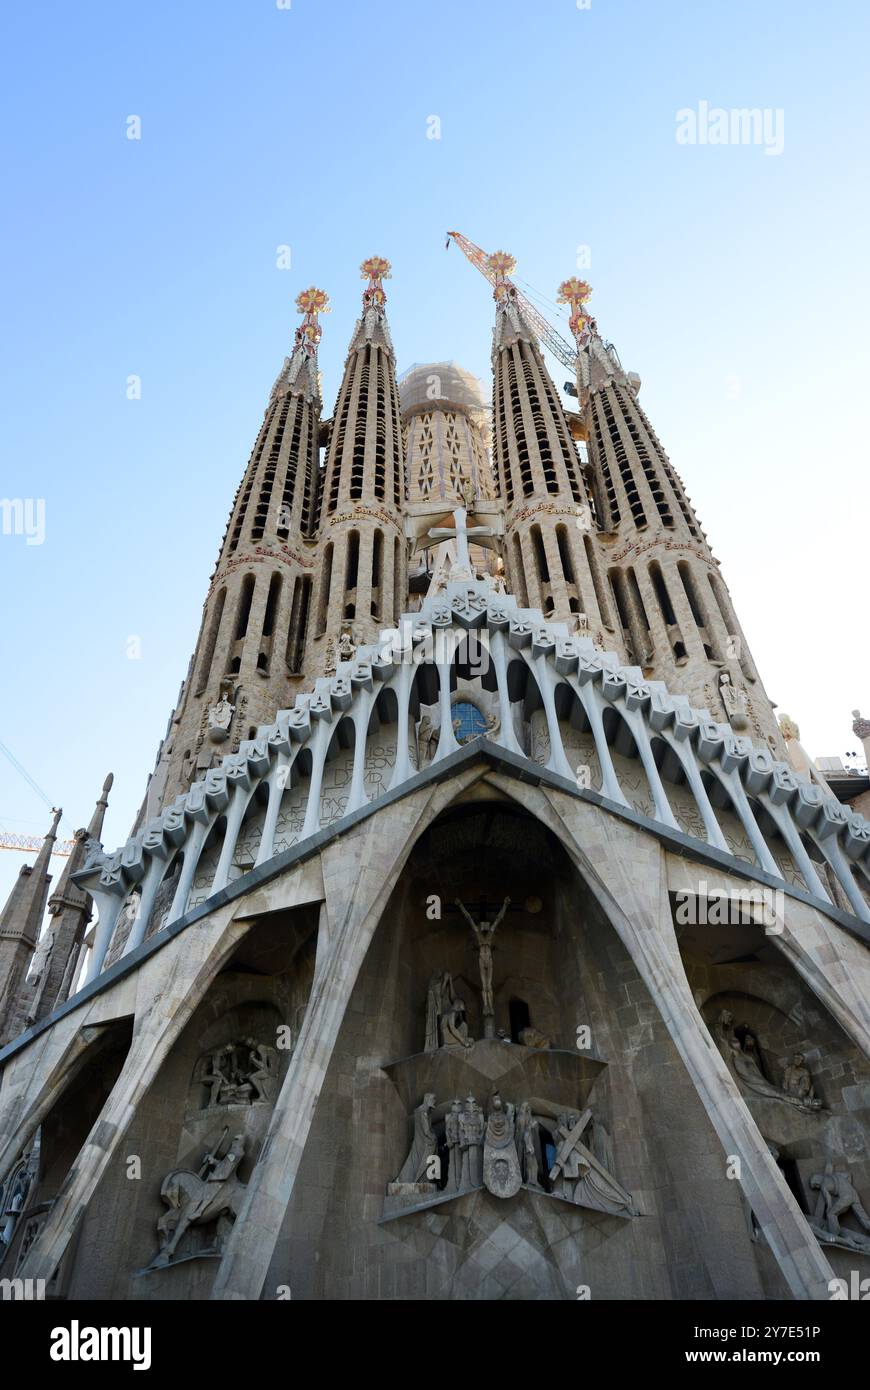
(477, 937)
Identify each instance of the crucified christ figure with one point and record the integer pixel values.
(483, 934)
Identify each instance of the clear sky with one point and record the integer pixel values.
(732, 279)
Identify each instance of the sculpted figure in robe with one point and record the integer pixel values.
(527, 1127)
(742, 1057)
(427, 739)
(445, 1014)
(453, 1136)
(424, 1144)
(471, 1129)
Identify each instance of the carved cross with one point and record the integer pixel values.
(460, 531)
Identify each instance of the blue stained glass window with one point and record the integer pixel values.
(468, 722)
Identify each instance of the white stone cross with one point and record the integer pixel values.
(460, 530)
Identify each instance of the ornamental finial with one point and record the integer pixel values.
(376, 269)
(500, 264)
(310, 303)
(575, 293)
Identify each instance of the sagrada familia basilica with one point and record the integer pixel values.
(483, 933)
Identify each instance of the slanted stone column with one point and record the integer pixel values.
(171, 991)
(626, 871)
(359, 873)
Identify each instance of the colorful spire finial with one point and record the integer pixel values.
(575, 293)
(500, 264)
(376, 269)
(310, 302)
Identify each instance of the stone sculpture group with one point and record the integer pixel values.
(503, 1151)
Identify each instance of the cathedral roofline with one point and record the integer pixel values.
(485, 752)
(740, 768)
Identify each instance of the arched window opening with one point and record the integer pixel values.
(272, 605)
(540, 555)
(325, 585)
(298, 624)
(244, 610)
(565, 553)
(661, 593)
(597, 581)
(377, 567)
(519, 574)
(211, 641)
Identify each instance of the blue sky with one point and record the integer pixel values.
(734, 281)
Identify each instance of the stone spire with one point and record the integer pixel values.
(361, 584)
(249, 653)
(69, 910)
(668, 606)
(547, 509)
(20, 922)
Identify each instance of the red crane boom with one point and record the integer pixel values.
(561, 349)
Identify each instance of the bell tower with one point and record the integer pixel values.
(360, 585)
(670, 608)
(249, 653)
(551, 562)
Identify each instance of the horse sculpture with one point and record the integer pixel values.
(196, 1199)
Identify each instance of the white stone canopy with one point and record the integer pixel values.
(705, 754)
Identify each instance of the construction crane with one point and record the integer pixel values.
(29, 844)
(561, 349)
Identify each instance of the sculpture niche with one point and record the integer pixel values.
(242, 1072)
(739, 1048)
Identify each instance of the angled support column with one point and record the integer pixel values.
(192, 850)
(319, 747)
(362, 709)
(175, 993)
(108, 911)
(279, 780)
(506, 734)
(837, 860)
(637, 724)
(150, 884)
(739, 800)
(446, 738)
(358, 875)
(402, 683)
(624, 869)
(590, 699)
(545, 678)
(690, 767)
(786, 827)
(235, 815)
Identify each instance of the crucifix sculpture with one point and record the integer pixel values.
(460, 532)
(484, 931)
